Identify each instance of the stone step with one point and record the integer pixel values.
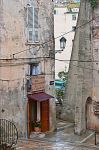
(64, 127)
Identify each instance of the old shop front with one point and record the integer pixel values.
(38, 105)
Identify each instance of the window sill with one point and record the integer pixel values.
(30, 43)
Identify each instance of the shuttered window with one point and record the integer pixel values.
(32, 21)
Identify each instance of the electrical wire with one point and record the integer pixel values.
(58, 59)
(77, 60)
(67, 60)
(52, 39)
(7, 80)
(85, 68)
(51, 73)
(57, 36)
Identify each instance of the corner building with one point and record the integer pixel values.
(27, 65)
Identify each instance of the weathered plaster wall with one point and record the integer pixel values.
(13, 95)
(95, 45)
(13, 39)
(80, 78)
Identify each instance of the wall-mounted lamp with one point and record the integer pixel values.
(28, 4)
(2, 110)
(62, 45)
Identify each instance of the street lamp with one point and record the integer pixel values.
(62, 45)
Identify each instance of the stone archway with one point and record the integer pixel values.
(88, 113)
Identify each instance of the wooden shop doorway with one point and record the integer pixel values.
(38, 109)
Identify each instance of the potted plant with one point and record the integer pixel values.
(37, 126)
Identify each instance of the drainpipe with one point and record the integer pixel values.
(27, 135)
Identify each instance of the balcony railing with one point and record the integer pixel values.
(8, 135)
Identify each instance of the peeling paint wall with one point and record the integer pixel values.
(13, 72)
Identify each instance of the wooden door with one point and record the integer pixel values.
(32, 115)
(88, 113)
(45, 115)
(90, 117)
(29, 117)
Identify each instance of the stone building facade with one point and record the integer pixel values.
(26, 48)
(81, 102)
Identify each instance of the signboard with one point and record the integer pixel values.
(38, 83)
(51, 82)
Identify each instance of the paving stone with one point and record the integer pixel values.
(60, 140)
(39, 145)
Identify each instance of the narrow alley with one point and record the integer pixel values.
(44, 145)
(62, 139)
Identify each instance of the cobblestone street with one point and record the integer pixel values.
(63, 139)
(44, 145)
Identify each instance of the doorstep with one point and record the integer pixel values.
(37, 134)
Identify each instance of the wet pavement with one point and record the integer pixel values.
(63, 139)
(44, 145)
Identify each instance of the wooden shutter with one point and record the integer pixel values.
(36, 24)
(45, 115)
(32, 19)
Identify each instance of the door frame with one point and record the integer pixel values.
(29, 107)
(88, 102)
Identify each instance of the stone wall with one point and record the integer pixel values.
(15, 68)
(80, 72)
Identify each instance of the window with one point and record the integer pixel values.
(54, 12)
(73, 17)
(35, 69)
(62, 42)
(73, 28)
(32, 22)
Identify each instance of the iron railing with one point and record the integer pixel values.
(8, 134)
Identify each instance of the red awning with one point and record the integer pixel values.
(39, 96)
